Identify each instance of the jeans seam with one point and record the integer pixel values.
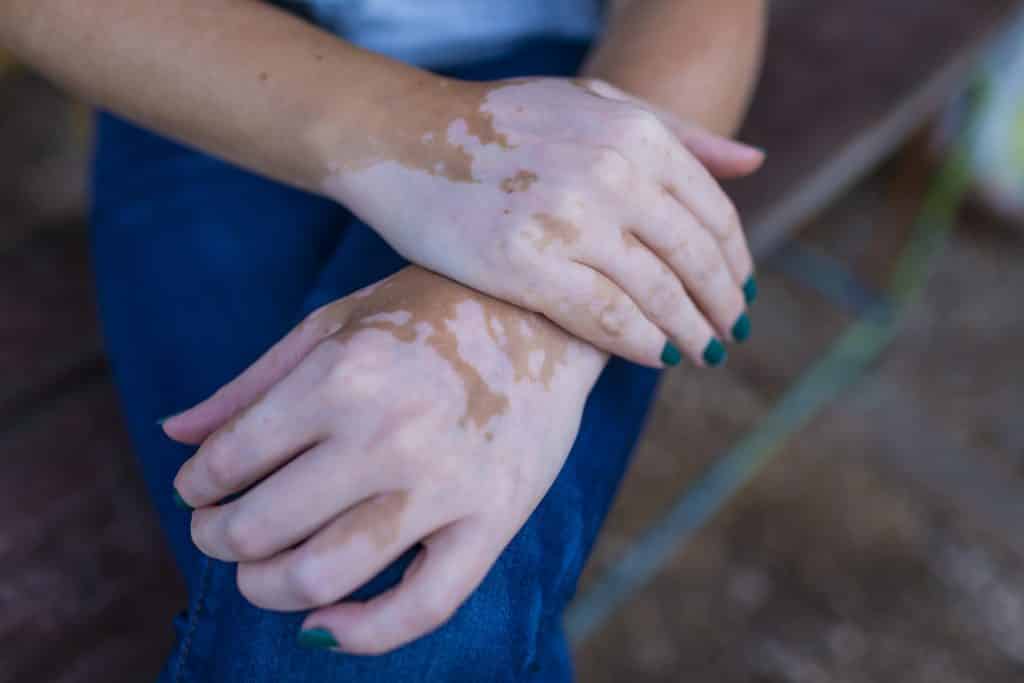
(193, 622)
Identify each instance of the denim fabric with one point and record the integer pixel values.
(200, 268)
(444, 32)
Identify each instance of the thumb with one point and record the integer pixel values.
(724, 158)
(198, 422)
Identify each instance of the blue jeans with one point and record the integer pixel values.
(201, 267)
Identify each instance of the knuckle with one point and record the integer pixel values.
(726, 220)
(306, 577)
(615, 316)
(328, 355)
(730, 219)
(664, 296)
(610, 168)
(411, 462)
(247, 584)
(646, 125)
(702, 260)
(637, 127)
(242, 537)
(518, 252)
(223, 469)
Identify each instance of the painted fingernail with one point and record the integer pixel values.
(165, 418)
(670, 355)
(741, 330)
(750, 289)
(317, 639)
(180, 502)
(714, 353)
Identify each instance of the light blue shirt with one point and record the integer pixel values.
(446, 32)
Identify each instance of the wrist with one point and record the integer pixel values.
(400, 115)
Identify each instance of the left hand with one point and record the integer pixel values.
(414, 411)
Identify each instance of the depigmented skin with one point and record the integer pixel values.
(522, 333)
(425, 409)
(428, 143)
(483, 170)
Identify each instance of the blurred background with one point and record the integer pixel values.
(842, 503)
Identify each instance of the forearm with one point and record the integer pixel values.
(237, 78)
(699, 59)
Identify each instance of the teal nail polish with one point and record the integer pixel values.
(714, 353)
(317, 639)
(180, 502)
(165, 418)
(670, 355)
(750, 289)
(741, 330)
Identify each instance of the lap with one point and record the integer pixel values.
(200, 268)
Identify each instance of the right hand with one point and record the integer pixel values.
(568, 198)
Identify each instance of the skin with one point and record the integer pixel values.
(334, 452)
(322, 566)
(326, 116)
(511, 169)
(329, 427)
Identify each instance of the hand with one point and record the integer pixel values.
(415, 411)
(569, 198)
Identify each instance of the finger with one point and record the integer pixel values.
(724, 158)
(658, 292)
(286, 421)
(696, 257)
(287, 506)
(448, 569)
(338, 559)
(591, 306)
(195, 424)
(692, 185)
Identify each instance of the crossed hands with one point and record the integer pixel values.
(416, 412)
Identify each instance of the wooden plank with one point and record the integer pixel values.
(50, 329)
(82, 561)
(845, 84)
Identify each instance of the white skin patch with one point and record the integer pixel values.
(536, 361)
(447, 198)
(396, 318)
(499, 331)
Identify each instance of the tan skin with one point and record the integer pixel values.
(321, 114)
(329, 427)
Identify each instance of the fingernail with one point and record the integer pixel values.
(750, 289)
(670, 355)
(317, 639)
(741, 330)
(714, 353)
(180, 502)
(162, 420)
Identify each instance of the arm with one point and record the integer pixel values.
(402, 364)
(526, 190)
(201, 72)
(698, 59)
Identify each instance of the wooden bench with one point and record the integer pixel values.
(87, 589)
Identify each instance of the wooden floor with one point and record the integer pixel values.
(86, 589)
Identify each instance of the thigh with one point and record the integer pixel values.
(199, 268)
(510, 627)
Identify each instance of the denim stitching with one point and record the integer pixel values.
(193, 622)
